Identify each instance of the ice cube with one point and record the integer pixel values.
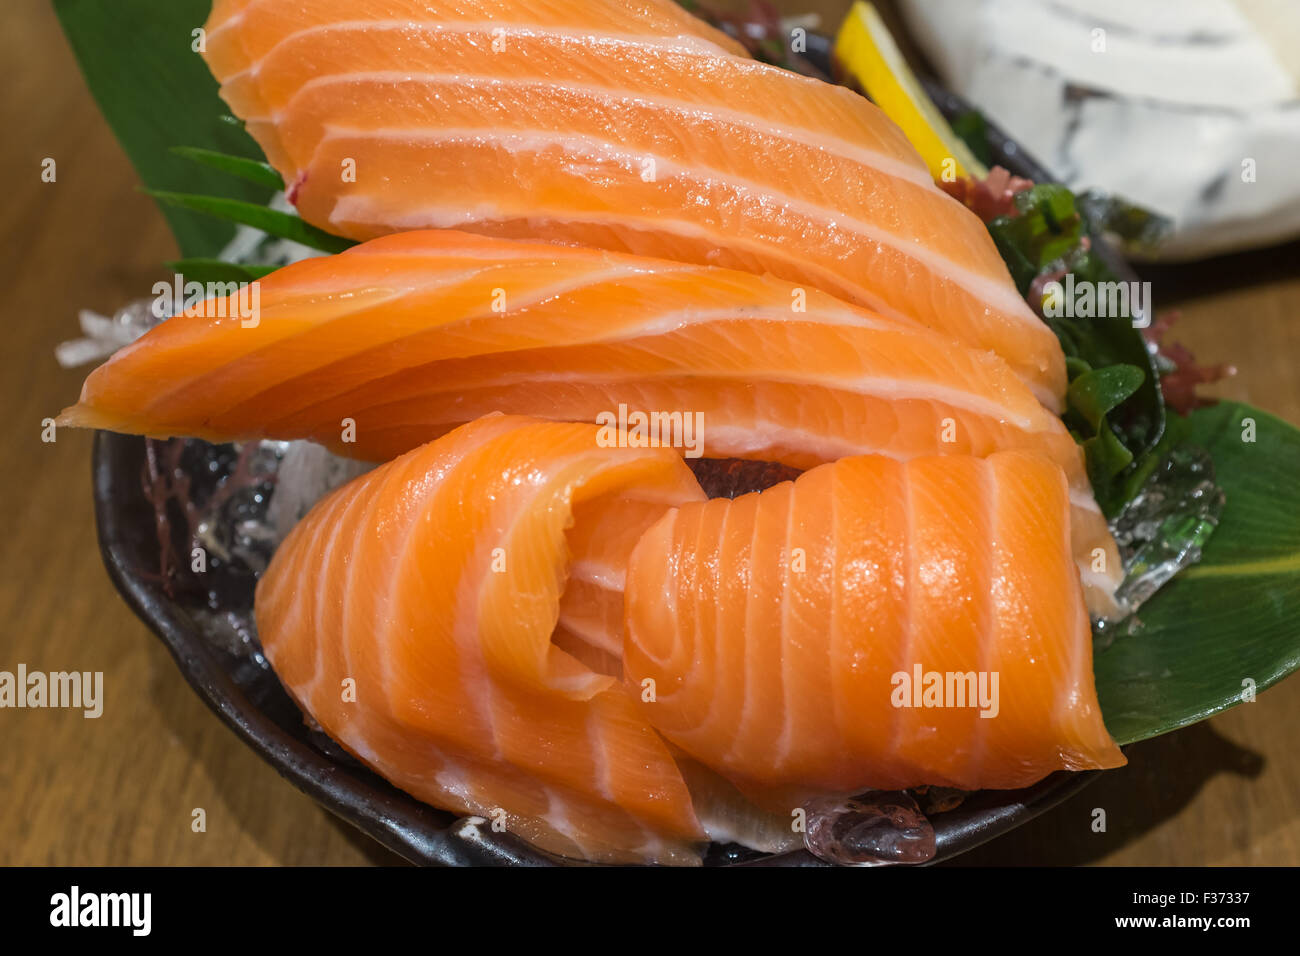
(879, 828)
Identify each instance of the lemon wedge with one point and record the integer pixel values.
(866, 49)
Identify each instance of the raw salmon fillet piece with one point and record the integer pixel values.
(384, 347)
(417, 614)
(614, 124)
(774, 629)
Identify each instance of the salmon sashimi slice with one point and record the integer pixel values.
(412, 615)
(393, 343)
(591, 607)
(787, 637)
(626, 126)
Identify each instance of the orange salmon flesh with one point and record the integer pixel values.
(626, 126)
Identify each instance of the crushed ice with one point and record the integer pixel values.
(1162, 530)
(102, 335)
(880, 828)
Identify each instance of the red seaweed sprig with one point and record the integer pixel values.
(1180, 373)
(990, 197)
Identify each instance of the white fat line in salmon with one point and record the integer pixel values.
(611, 579)
(82, 690)
(883, 388)
(595, 637)
(987, 290)
(1084, 500)
(922, 688)
(666, 323)
(802, 136)
(825, 311)
(682, 43)
(77, 909)
(354, 209)
(529, 253)
(372, 296)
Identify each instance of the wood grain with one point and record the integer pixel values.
(121, 789)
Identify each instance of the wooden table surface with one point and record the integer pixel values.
(121, 789)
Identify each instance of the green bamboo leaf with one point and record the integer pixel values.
(1105, 457)
(155, 91)
(1097, 391)
(1235, 616)
(1092, 394)
(218, 270)
(271, 221)
(253, 170)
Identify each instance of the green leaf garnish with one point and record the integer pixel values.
(1098, 391)
(1044, 231)
(218, 270)
(271, 221)
(1092, 395)
(253, 170)
(1137, 229)
(1117, 416)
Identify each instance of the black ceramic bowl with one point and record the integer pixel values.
(245, 694)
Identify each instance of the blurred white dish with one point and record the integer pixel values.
(1188, 107)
